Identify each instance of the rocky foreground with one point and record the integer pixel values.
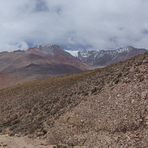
(106, 107)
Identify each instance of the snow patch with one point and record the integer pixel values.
(73, 52)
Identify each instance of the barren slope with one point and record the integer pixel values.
(107, 107)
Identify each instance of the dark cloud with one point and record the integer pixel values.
(145, 31)
(59, 10)
(41, 5)
(96, 24)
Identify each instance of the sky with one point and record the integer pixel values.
(73, 24)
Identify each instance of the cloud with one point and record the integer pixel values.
(145, 31)
(78, 24)
(41, 6)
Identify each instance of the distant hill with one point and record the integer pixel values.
(105, 107)
(35, 63)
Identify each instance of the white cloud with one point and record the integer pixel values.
(74, 24)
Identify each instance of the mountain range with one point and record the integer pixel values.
(106, 57)
(47, 61)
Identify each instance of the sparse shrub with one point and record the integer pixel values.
(32, 129)
(93, 90)
(141, 78)
(138, 63)
(44, 131)
(119, 75)
(137, 70)
(116, 81)
(112, 87)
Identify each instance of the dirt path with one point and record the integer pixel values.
(21, 142)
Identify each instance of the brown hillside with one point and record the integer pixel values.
(106, 107)
(36, 63)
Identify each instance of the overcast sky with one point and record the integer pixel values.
(73, 24)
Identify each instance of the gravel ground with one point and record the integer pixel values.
(22, 142)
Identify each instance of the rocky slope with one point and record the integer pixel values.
(106, 107)
(107, 57)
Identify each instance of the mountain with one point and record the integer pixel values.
(106, 57)
(45, 61)
(38, 62)
(106, 107)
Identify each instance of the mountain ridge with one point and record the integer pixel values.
(107, 57)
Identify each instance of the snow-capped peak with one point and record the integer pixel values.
(122, 49)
